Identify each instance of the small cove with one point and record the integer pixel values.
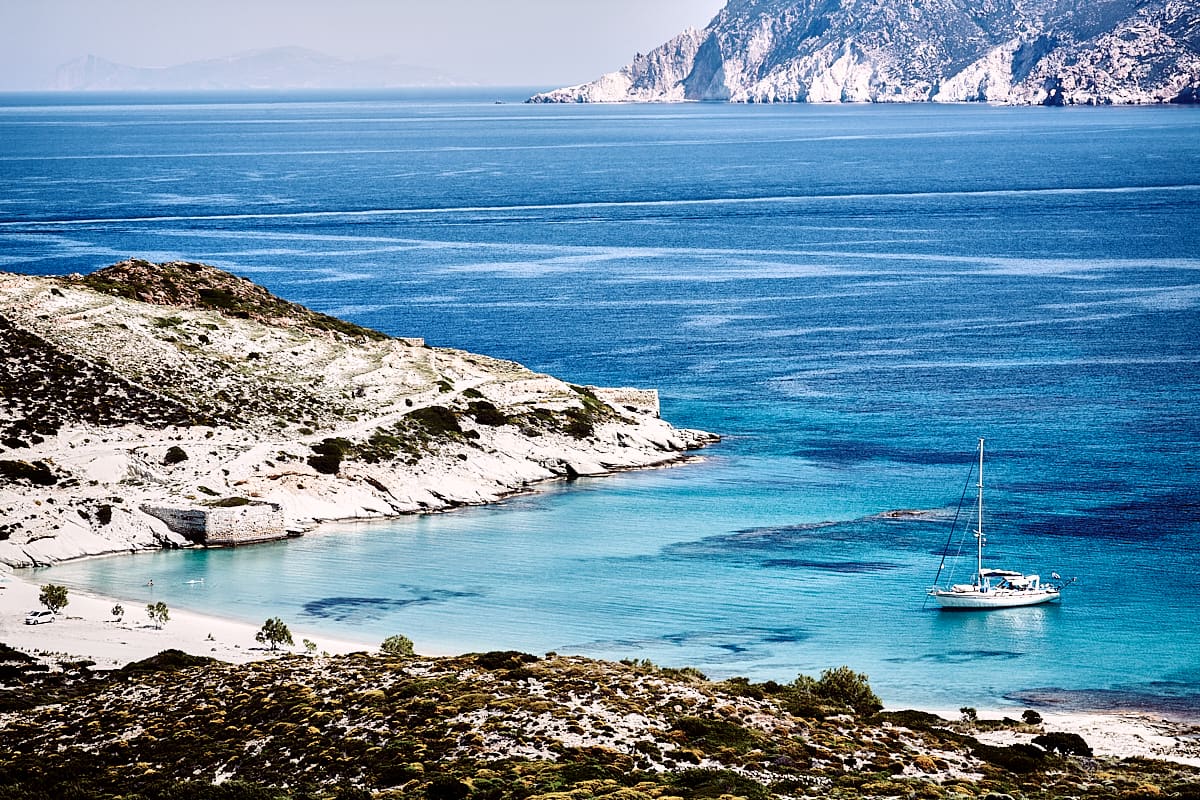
(850, 313)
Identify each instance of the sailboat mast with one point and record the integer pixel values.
(979, 526)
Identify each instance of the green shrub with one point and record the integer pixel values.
(1019, 758)
(504, 659)
(230, 502)
(711, 735)
(1066, 743)
(578, 424)
(328, 454)
(167, 661)
(397, 645)
(486, 413)
(911, 719)
(701, 783)
(838, 688)
(438, 420)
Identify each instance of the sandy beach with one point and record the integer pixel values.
(1113, 734)
(86, 629)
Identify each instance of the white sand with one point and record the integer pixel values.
(1117, 734)
(86, 629)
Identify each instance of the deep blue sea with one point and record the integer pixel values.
(850, 295)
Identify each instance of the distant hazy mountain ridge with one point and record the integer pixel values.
(1008, 51)
(277, 68)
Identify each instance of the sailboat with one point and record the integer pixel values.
(993, 588)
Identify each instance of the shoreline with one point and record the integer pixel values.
(86, 630)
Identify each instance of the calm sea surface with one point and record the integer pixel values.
(850, 295)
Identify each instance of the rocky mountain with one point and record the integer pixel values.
(1049, 52)
(181, 386)
(276, 68)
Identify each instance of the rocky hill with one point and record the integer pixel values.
(1049, 52)
(509, 726)
(183, 386)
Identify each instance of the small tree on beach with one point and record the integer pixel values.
(397, 645)
(118, 611)
(158, 613)
(53, 597)
(274, 632)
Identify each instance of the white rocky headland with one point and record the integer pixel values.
(146, 394)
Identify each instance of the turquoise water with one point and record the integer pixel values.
(851, 296)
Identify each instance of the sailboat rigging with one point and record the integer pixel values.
(993, 588)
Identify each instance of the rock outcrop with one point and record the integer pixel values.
(149, 386)
(1049, 52)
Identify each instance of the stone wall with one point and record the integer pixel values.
(643, 400)
(217, 526)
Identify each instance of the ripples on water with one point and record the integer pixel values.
(850, 295)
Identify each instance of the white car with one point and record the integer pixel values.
(38, 617)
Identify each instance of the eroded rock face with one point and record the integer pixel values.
(1047, 52)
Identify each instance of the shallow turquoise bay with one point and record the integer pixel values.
(850, 296)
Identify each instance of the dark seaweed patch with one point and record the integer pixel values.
(1134, 520)
(957, 657)
(346, 609)
(742, 640)
(850, 567)
(1156, 697)
(819, 545)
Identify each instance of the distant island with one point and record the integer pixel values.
(274, 68)
(1042, 52)
(149, 405)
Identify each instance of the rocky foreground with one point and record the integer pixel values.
(180, 386)
(1019, 52)
(503, 725)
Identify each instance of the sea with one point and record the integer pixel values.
(851, 296)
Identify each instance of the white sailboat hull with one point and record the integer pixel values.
(994, 588)
(994, 598)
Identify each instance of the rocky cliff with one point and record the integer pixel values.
(178, 386)
(1049, 52)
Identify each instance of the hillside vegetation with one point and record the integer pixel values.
(511, 726)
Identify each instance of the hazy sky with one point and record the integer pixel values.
(513, 42)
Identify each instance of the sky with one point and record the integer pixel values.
(501, 42)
